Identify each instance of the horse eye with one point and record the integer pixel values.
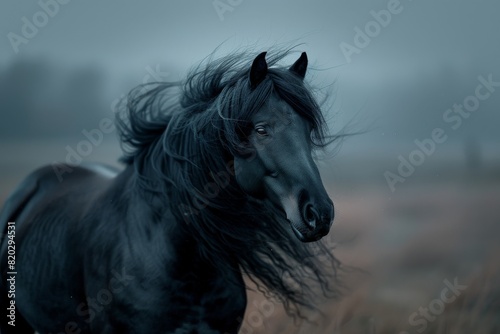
(261, 130)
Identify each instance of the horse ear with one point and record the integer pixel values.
(258, 71)
(300, 66)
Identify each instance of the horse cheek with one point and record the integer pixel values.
(249, 176)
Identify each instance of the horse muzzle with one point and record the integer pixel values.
(313, 219)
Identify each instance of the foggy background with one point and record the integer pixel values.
(70, 72)
(68, 76)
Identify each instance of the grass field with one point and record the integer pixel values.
(412, 244)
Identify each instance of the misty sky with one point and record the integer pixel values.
(427, 58)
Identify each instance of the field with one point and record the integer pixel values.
(412, 247)
(428, 252)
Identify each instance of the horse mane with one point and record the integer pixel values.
(181, 137)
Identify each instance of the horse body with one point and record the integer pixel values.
(206, 197)
(66, 279)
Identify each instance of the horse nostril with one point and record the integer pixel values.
(310, 216)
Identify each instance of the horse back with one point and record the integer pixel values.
(46, 180)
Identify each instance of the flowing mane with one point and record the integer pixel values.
(181, 138)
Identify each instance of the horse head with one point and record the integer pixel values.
(277, 162)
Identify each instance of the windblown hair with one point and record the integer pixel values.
(182, 138)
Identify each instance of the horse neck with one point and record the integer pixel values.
(156, 217)
(163, 250)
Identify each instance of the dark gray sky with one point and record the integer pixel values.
(125, 33)
(425, 59)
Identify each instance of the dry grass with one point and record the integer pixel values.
(409, 242)
(409, 245)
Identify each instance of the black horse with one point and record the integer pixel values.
(220, 183)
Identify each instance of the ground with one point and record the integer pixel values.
(412, 245)
(437, 229)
